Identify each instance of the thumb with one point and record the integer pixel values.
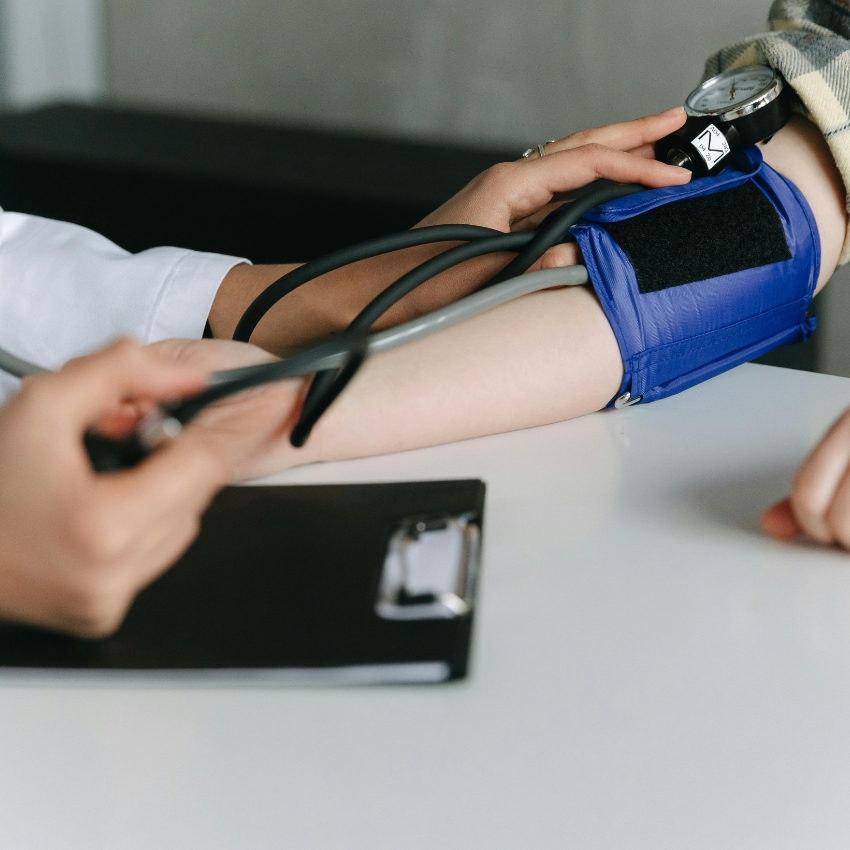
(88, 387)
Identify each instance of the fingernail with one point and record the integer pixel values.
(676, 110)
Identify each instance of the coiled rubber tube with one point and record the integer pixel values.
(327, 386)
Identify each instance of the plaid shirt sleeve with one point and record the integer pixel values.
(809, 44)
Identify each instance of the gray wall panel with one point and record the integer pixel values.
(503, 71)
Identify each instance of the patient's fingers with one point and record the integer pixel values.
(646, 151)
(838, 513)
(558, 257)
(568, 170)
(778, 521)
(818, 482)
(625, 136)
(531, 221)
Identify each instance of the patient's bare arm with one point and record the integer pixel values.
(799, 152)
(544, 358)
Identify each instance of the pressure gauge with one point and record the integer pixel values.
(735, 109)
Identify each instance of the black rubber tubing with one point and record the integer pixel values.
(327, 386)
(314, 359)
(109, 455)
(329, 382)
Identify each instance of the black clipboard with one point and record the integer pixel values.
(337, 584)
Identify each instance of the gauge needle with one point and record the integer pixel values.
(732, 93)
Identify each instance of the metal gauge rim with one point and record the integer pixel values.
(759, 100)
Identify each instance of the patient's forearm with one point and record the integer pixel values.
(544, 358)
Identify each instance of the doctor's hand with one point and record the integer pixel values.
(819, 503)
(517, 196)
(510, 196)
(76, 546)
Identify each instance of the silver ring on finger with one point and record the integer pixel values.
(541, 149)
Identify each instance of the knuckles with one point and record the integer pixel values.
(92, 607)
(93, 534)
(580, 138)
(559, 256)
(592, 149)
(594, 155)
(92, 593)
(499, 175)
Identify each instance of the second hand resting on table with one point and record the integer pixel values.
(819, 503)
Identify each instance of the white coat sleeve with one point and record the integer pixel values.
(66, 291)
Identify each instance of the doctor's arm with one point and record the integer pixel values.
(509, 197)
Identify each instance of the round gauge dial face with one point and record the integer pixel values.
(730, 89)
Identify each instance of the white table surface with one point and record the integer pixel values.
(648, 671)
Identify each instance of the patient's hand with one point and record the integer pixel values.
(508, 196)
(544, 358)
(819, 503)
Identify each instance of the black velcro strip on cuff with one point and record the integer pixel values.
(700, 238)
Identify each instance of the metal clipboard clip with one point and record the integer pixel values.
(430, 569)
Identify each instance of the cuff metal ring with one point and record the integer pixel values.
(541, 149)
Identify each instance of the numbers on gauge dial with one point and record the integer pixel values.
(731, 90)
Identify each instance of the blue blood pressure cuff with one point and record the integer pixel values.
(699, 278)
